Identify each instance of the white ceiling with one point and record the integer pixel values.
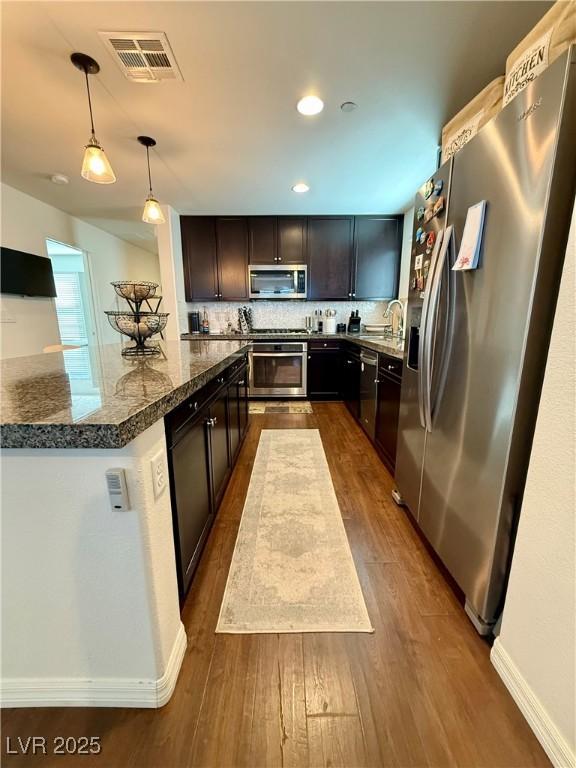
(229, 137)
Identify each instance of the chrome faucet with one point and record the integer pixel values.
(389, 313)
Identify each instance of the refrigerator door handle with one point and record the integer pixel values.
(428, 339)
(423, 352)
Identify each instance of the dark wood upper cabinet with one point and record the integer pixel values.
(377, 244)
(199, 257)
(330, 252)
(291, 240)
(263, 248)
(232, 257)
(348, 257)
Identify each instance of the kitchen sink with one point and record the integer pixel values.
(376, 337)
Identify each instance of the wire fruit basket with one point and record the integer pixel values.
(138, 324)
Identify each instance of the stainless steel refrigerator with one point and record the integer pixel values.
(477, 340)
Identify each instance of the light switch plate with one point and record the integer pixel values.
(158, 467)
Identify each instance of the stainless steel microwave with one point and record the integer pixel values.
(274, 281)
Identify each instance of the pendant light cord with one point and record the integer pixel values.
(89, 102)
(149, 176)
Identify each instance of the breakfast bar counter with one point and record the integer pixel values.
(76, 561)
(92, 397)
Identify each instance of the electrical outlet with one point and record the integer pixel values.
(158, 474)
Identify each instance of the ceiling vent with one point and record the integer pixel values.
(143, 57)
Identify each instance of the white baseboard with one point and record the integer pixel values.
(538, 719)
(166, 684)
(62, 692)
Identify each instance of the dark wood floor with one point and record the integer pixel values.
(420, 691)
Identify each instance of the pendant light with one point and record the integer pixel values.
(152, 213)
(95, 166)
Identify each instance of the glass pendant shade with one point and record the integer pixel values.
(96, 166)
(152, 213)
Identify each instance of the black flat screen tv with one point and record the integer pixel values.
(25, 274)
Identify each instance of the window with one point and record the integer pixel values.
(73, 307)
(70, 308)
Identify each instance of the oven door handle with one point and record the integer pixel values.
(278, 354)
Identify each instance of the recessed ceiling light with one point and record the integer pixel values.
(310, 105)
(348, 106)
(300, 188)
(59, 178)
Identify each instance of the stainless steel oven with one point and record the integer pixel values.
(278, 369)
(274, 281)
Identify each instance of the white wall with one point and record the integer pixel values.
(90, 608)
(172, 273)
(406, 254)
(26, 223)
(536, 650)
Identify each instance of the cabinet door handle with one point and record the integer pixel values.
(376, 381)
(279, 258)
(354, 294)
(309, 357)
(215, 295)
(210, 422)
(241, 383)
(390, 367)
(349, 294)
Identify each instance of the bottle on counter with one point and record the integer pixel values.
(320, 322)
(205, 322)
(315, 322)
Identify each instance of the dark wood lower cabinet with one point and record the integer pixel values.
(243, 412)
(388, 399)
(191, 488)
(389, 386)
(219, 452)
(324, 367)
(350, 372)
(204, 435)
(237, 410)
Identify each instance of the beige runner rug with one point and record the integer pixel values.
(292, 568)
(279, 406)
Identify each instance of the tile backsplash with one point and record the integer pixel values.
(286, 314)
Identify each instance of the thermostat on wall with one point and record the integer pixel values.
(117, 489)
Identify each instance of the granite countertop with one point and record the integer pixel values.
(94, 398)
(389, 346)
